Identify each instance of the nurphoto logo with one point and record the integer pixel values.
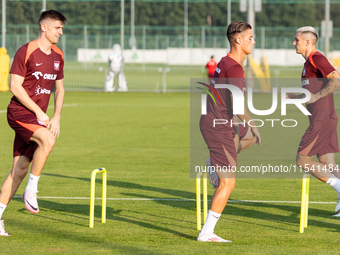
(239, 104)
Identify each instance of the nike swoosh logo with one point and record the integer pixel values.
(38, 64)
(31, 205)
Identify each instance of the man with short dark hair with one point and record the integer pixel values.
(321, 79)
(37, 68)
(220, 138)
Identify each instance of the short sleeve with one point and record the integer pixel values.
(19, 66)
(322, 65)
(59, 52)
(236, 76)
(60, 74)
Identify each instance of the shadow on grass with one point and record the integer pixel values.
(270, 215)
(71, 241)
(233, 208)
(72, 211)
(130, 185)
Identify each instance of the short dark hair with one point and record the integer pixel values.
(236, 27)
(52, 14)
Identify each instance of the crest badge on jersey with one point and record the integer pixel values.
(56, 65)
(304, 72)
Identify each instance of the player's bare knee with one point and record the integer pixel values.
(20, 164)
(20, 173)
(48, 143)
(227, 183)
(51, 142)
(301, 160)
(298, 159)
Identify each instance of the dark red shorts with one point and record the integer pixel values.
(320, 138)
(221, 147)
(24, 123)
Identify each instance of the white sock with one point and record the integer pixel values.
(32, 184)
(210, 223)
(334, 182)
(2, 209)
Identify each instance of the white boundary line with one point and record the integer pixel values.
(182, 200)
(64, 105)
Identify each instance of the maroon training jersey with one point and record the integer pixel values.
(40, 72)
(316, 67)
(228, 71)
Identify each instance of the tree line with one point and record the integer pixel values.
(209, 14)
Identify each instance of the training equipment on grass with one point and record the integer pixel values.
(92, 197)
(4, 69)
(202, 176)
(304, 202)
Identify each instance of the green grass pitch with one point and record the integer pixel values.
(143, 140)
(149, 78)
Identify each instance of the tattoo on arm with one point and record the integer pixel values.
(332, 74)
(331, 86)
(237, 130)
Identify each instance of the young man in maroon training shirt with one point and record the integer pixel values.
(320, 139)
(220, 138)
(37, 67)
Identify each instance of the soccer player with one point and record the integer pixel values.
(220, 139)
(321, 79)
(243, 139)
(211, 66)
(36, 68)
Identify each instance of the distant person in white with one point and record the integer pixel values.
(116, 66)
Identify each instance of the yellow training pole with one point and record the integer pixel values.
(92, 195)
(304, 204)
(104, 182)
(307, 200)
(93, 183)
(198, 201)
(205, 197)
